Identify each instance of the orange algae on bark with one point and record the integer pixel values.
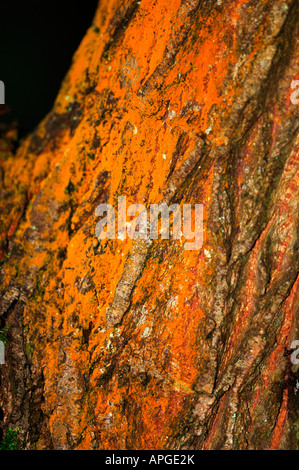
(196, 359)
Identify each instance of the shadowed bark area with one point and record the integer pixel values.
(123, 344)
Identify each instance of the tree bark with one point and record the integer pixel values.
(120, 344)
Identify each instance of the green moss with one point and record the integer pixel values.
(70, 188)
(3, 333)
(5, 258)
(30, 348)
(10, 440)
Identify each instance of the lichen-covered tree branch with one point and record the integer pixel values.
(134, 344)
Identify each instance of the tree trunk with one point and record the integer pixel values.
(121, 344)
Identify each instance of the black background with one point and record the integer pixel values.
(37, 42)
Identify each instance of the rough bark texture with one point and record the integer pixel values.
(129, 345)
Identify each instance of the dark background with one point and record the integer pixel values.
(37, 42)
